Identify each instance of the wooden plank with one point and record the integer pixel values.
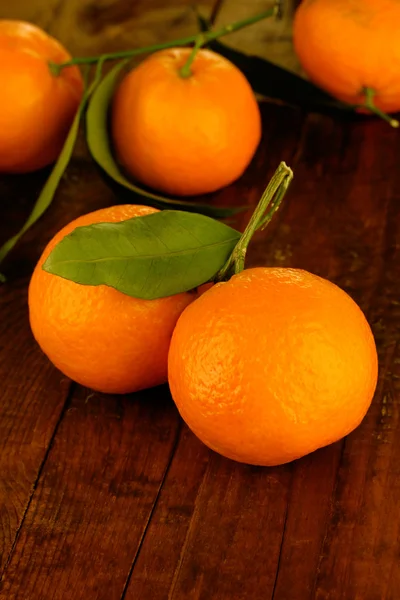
(218, 538)
(94, 498)
(327, 523)
(239, 511)
(153, 572)
(81, 190)
(32, 399)
(307, 513)
(212, 521)
(34, 393)
(359, 557)
(333, 223)
(341, 196)
(310, 237)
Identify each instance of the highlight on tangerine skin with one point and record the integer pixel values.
(272, 365)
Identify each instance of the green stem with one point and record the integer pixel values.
(208, 37)
(186, 70)
(276, 201)
(370, 104)
(272, 199)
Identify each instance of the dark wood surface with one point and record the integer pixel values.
(105, 497)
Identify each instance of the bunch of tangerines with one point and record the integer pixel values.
(265, 365)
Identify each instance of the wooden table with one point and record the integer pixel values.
(105, 497)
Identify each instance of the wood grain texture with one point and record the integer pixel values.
(212, 545)
(165, 542)
(360, 555)
(94, 498)
(342, 191)
(108, 498)
(31, 402)
(335, 222)
(33, 393)
(225, 556)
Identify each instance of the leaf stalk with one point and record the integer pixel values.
(272, 199)
(369, 94)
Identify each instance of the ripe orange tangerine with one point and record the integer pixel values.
(185, 135)
(272, 365)
(95, 335)
(351, 49)
(36, 107)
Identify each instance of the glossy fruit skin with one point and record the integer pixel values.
(272, 365)
(185, 136)
(347, 45)
(97, 336)
(36, 107)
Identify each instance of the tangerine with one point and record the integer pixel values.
(185, 135)
(36, 107)
(272, 365)
(351, 49)
(95, 335)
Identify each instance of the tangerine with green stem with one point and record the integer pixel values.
(272, 365)
(175, 124)
(351, 50)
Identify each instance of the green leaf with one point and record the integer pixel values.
(148, 257)
(277, 83)
(46, 195)
(98, 140)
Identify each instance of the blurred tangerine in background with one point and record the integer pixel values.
(36, 106)
(352, 49)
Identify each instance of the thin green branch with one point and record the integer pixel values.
(208, 37)
(370, 104)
